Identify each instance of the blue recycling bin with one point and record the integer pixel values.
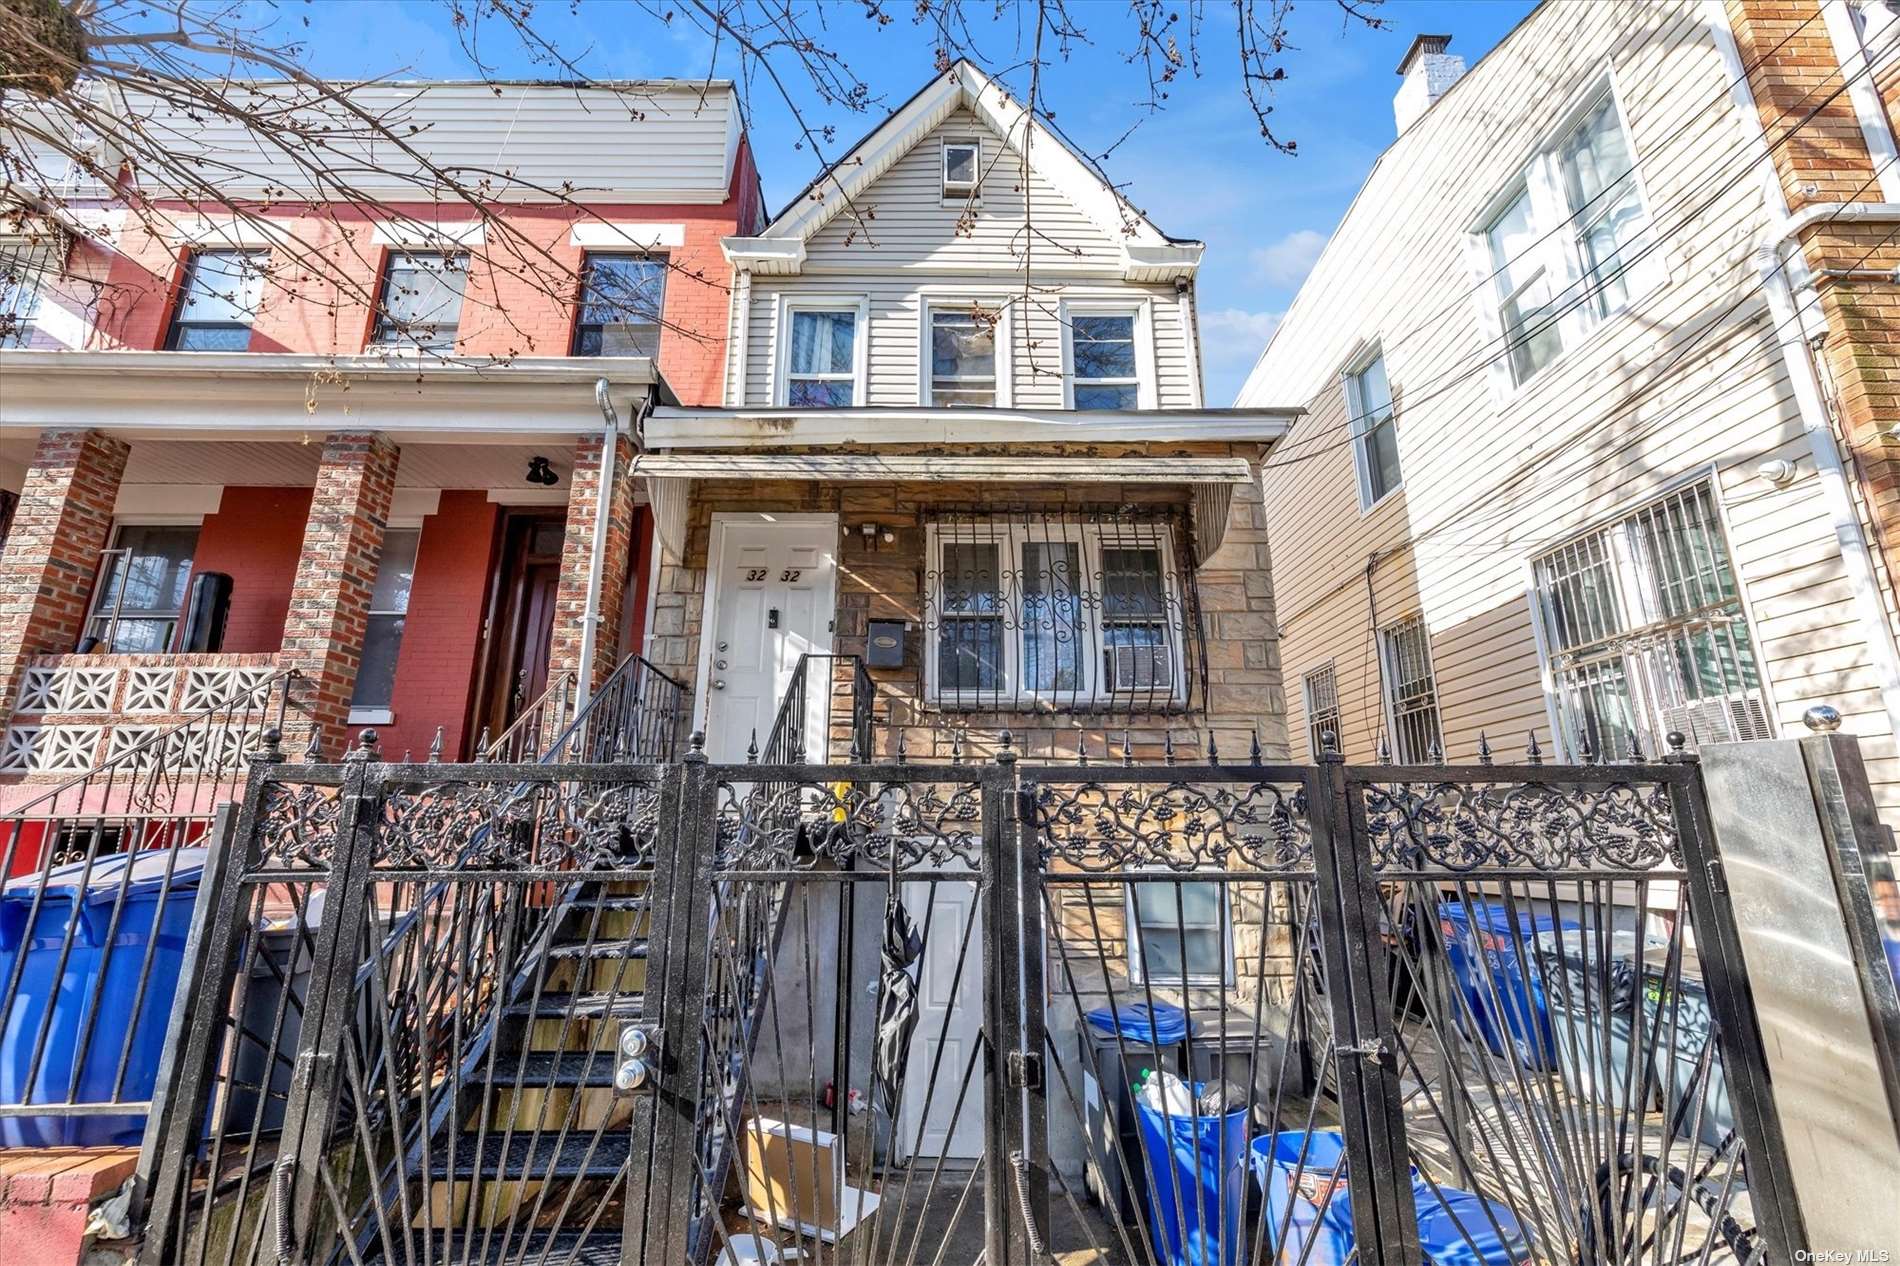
(1309, 1202)
(156, 913)
(1159, 1025)
(1201, 1226)
(1501, 983)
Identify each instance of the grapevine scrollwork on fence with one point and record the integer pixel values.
(900, 825)
(296, 826)
(1463, 827)
(537, 824)
(1100, 826)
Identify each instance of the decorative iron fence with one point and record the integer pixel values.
(1210, 1012)
(101, 873)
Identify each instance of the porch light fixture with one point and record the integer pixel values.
(540, 473)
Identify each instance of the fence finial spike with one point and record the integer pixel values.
(1213, 749)
(1533, 755)
(1636, 748)
(1006, 748)
(481, 745)
(1484, 749)
(1434, 754)
(1253, 751)
(408, 755)
(365, 745)
(313, 751)
(1385, 748)
(1082, 748)
(1128, 748)
(752, 748)
(435, 744)
(956, 747)
(273, 748)
(903, 746)
(1167, 747)
(1678, 742)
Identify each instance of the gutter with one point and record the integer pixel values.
(1816, 421)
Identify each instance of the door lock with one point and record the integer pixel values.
(771, 618)
(722, 647)
(719, 684)
(720, 664)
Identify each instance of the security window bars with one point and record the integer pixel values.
(1411, 694)
(1645, 633)
(1568, 246)
(1320, 688)
(22, 272)
(1375, 433)
(218, 302)
(963, 356)
(1179, 933)
(1106, 370)
(821, 363)
(143, 581)
(621, 302)
(962, 168)
(422, 302)
(388, 610)
(1061, 611)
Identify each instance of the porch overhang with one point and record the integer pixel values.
(677, 427)
(1211, 480)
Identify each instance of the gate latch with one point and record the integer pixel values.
(1372, 1050)
(1024, 1070)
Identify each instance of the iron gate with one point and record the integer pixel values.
(894, 1013)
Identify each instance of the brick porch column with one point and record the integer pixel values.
(577, 552)
(336, 571)
(52, 556)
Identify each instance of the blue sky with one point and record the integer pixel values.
(1198, 168)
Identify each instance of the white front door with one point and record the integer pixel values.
(770, 589)
(949, 1026)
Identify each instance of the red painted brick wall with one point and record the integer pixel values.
(521, 303)
(441, 639)
(254, 538)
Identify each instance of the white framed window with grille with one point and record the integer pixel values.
(1319, 687)
(1179, 933)
(1375, 435)
(1645, 633)
(1411, 692)
(1566, 245)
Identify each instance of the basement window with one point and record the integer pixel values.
(1060, 611)
(1179, 933)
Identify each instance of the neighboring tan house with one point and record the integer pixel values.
(1569, 467)
(219, 480)
(963, 439)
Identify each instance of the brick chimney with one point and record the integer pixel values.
(1428, 72)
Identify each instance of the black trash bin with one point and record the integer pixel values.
(1120, 1047)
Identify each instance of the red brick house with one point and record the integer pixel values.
(224, 461)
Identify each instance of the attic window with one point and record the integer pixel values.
(962, 160)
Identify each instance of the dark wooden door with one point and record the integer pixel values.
(520, 617)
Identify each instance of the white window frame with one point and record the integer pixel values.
(383, 714)
(1331, 668)
(958, 192)
(1642, 621)
(788, 306)
(942, 301)
(1356, 419)
(1088, 692)
(1557, 246)
(1389, 680)
(1137, 972)
(1146, 391)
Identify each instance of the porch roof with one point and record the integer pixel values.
(936, 468)
(671, 427)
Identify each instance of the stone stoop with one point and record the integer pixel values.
(46, 1194)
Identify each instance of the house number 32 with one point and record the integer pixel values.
(754, 575)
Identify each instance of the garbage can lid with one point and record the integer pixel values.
(1493, 917)
(108, 878)
(1162, 1024)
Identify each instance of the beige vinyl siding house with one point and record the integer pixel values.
(1624, 453)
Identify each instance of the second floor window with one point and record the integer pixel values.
(1106, 370)
(142, 587)
(21, 274)
(421, 303)
(821, 364)
(621, 301)
(218, 302)
(1568, 247)
(1375, 442)
(962, 356)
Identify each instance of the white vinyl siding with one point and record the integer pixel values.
(1493, 481)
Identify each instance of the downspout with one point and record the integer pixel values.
(596, 563)
(1798, 358)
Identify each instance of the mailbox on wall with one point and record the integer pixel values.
(885, 646)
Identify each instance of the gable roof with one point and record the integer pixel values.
(1148, 253)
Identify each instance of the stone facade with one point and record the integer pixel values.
(886, 580)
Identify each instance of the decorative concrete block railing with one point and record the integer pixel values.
(77, 711)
